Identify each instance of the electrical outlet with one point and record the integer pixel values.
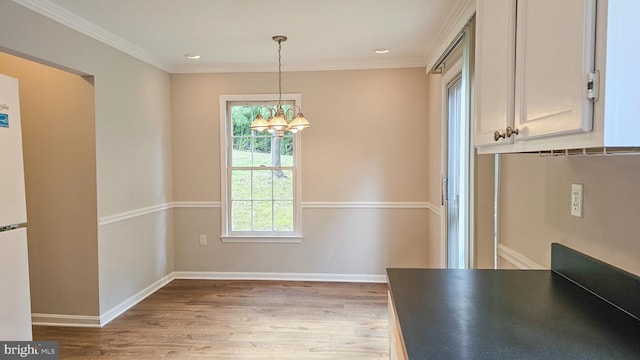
(203, 240)
(576, 200)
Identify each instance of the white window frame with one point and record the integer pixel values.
(227, 235)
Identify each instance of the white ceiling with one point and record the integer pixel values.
(235, 35)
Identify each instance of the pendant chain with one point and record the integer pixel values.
(279, 74)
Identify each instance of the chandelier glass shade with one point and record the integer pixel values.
(280, 121)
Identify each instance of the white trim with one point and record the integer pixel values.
(184, 69)
(436, 209)
(108, 316)
(117, 310)
(225, 173)
(75, 22)
(367, 205)
(130, 214)
(462, 12)
(453, 73)
(103, 319)
(224, 161)
(207, 275)
(110, 219)
(517, 259)
(40, 319)
(196, 204)
(269, 239)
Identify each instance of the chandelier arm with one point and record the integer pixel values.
(271, 110)
(293, 111)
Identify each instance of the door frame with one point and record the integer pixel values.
(449, 76)
(464, 68)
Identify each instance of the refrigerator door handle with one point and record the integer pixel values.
(10, 227)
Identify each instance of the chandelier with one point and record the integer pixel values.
(280, 121)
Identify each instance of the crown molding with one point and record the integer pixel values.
(61, 15)
(292, 68)
(461, 13)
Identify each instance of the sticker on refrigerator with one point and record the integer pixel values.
(4, 120)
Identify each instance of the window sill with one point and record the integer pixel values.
(287, 239)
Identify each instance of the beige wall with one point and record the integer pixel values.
(58, 128)
(336, 242)
(367, 144)
(484, 204)
(133, 146)
(506, 265)
(141, 250)
(342, 156)
(534, 206)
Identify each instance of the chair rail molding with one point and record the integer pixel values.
(518, 259)
(130, 214)
(364, 205)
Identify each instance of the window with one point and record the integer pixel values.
(259, 174)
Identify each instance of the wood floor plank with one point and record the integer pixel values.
(207, 319)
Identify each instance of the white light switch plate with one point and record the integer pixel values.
(576, 200)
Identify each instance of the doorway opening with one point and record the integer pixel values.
(458, 172)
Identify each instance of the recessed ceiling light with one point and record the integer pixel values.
(192, 56)
(381, 51)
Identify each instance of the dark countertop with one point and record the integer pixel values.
(507, 314)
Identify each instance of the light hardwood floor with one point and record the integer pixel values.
(210, 319)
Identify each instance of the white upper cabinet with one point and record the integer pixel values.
(555, 55)
(548, 79)
(495, 69)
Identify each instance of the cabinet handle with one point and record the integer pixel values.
(509, 132)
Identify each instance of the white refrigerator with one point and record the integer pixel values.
(15, 300)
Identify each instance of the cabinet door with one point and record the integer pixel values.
(555, 54)
(495, 68)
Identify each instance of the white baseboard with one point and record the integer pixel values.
(107, 317)
(117, 310)
(207, 275)
(65, 320)
(520, 261)
(103, 319)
